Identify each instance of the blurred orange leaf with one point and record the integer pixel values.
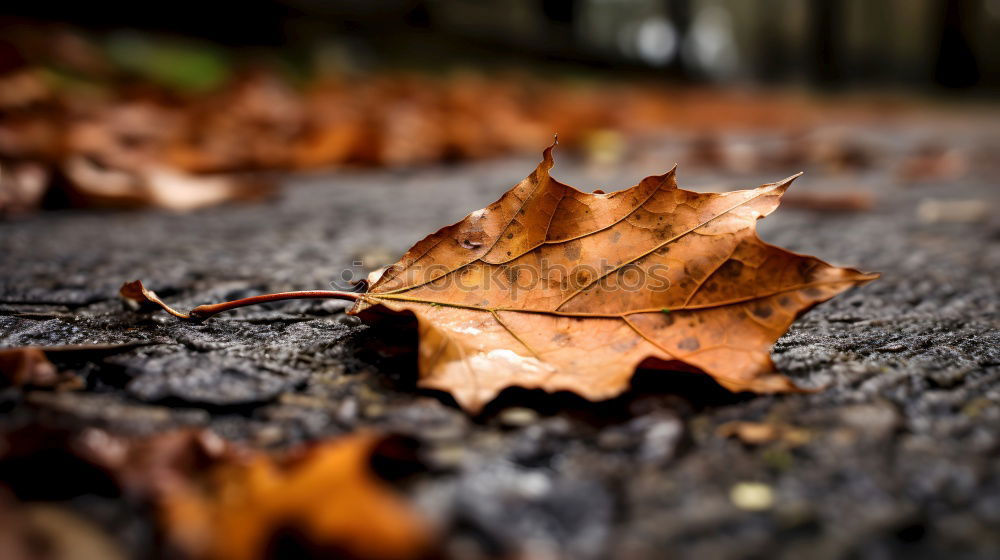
(328, 498)
(217, 500)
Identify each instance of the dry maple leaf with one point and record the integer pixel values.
(556, 289)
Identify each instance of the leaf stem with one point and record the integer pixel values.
(203, 312)
(136, 293)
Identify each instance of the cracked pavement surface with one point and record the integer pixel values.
(897, 455)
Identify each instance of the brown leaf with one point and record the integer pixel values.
(216, 500)
(328, 496)
(159, 187)
(932, 162)
(31, 365)
(156, 466)
(28, 366)
(22, 186)
(556, 289)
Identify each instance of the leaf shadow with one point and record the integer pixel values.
(391, 346)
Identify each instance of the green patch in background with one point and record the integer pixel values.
(178, 64)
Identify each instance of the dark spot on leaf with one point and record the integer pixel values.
(762, 311)
(690, 343)
(730, 269)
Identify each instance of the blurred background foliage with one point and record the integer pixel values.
(830, 44)
(173, 104)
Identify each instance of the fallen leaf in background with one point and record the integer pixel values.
(32, 365)
(93, 185)
(22, 186)
(159, 465)
(108, 142)
(28, 366)
(116, 157)
(933, 162)
(327, 500)
(217, 500)
(827, 149)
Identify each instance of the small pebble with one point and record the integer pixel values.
(443, 432)
(347, 412)
(269, 435)
(517, 417)
(449, 456)
(613, 439)
(348, 320)
(374, 410)
(752, 496)
(533, 485)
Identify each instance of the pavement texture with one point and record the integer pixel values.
(898, 454)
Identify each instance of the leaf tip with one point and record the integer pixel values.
(866, 277)
(790, 179)
(133, 292)
(138, 297)
(547, 160)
